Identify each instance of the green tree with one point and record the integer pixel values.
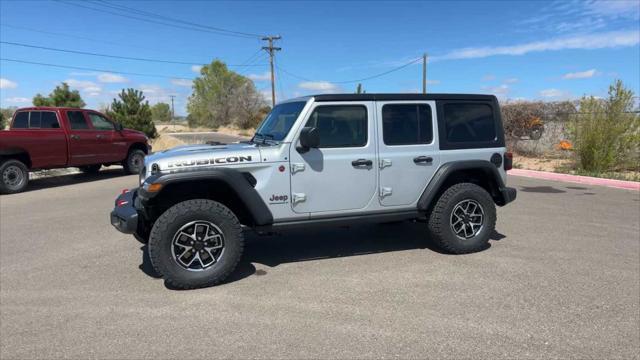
(606, 132)
(60, 96)
(133, 111)
(161, 112)
(5, 116)
(359, 89)
(222, 97)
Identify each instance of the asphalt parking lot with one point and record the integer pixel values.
(561, 279)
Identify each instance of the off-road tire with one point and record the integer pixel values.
(131, 164)
(14, 176)
(161, 241)
(439, 219)
(91, 169)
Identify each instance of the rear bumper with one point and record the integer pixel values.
(508, 194)
(124, 216)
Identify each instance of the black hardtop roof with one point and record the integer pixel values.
(388, 97)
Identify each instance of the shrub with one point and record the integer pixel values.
(606, 133)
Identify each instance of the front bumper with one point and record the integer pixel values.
(124, 216)
(508, 194)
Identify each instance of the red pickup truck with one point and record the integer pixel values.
(52, 137)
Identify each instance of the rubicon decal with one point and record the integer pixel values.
(220, 160)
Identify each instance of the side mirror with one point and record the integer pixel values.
(309, 138)
(119, 127)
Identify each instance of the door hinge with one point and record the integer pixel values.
(299, 197)
(297, 167)
(384, 163)
(385, 191)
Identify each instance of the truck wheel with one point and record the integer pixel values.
(91, 169)
(462, 219)
(134, 161)
(14, 176)
(196, 243)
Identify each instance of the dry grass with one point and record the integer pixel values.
(164, 142)
(228, 130)
(567, 166)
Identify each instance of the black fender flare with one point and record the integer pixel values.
(236, 181)
(442, 174)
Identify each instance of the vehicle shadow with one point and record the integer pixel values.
(49, 182)
(324, 243)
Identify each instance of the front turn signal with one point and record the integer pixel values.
(154, 187)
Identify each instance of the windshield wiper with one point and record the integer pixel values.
(264, 137)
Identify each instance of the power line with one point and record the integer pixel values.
(147, 13)
(92, 69)
(356, 80)
(108, 55)
(102, 10)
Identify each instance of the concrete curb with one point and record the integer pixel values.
(587, 180)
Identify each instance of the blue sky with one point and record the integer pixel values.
(517, 50)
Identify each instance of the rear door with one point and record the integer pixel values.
(408, 150)
(43, 137)
(340, 175)
(84, 143)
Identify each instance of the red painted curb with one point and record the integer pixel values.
(619, 184)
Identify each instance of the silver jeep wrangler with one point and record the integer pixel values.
(324, 160)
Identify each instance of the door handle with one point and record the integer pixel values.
(75, 137)
(423, 159)
(361, 162)
(100, 136)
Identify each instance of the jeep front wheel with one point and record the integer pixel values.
(462, 219)
(196, 243)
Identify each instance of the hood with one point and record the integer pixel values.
(191, 156)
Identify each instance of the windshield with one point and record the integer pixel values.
(277, 124)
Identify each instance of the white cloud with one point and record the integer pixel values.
(83, 73)
(196, 68)
(586, 42)
(580, 74)
(85, 86)
(321, 86)
(501, 90)
(555, 93)
(112, 78)
(511, 80)
(182, 82)
(7, 84)
(260, 77)
(156, 93)
(17, 100)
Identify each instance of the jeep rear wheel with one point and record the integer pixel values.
(196, 243)
(462, 219)
(14, 176)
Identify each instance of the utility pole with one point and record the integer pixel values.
(424, 73)
(173, 114)
(271, 50)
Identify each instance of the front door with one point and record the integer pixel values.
(408, 150)
(83, 140)
(340, 175)
(111, 146)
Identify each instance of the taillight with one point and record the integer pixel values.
(508, 161)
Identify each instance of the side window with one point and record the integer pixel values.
(469, 122)
(35, 119)
(49, 120)
(340, 125)
(21, 120)
(100, 123)
(76, 120)
(406, 124)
